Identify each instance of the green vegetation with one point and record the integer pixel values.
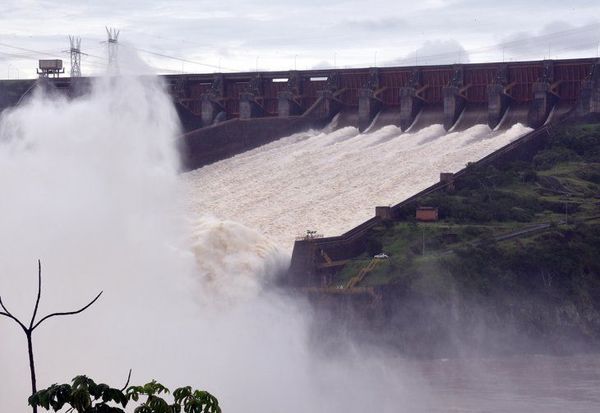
(521, 240)
(85, 396)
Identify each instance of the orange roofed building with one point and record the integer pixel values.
(427, 214)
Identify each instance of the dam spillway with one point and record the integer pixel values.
(331, 180)
(269, 131)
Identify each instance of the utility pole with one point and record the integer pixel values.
(75, 52)
(113, 50)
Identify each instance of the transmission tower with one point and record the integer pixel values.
(75, 56)
(113, 44)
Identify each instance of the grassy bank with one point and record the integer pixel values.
(520, 243)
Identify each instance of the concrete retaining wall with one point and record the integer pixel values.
(224, 140)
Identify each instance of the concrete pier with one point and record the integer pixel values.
(454, 104)
(410, 106)
(498, 96)
(289, 100)
(369, 103)
(211, 102)
(454, 99)
(288, 104)
(249, 106)
(368, 107)
(544, 97)
(589, 101)
(210, 109)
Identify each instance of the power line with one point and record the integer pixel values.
(29, 50)
(520, 42)
(180, 59)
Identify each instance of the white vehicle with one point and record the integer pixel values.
(381, 256)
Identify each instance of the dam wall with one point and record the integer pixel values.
(224, 114)
(214, 143)
(412, 98)
(481, 91)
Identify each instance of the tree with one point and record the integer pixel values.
(85, 396)
(33, 324)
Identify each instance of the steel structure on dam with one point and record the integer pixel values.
(456, 96)
(226, 114)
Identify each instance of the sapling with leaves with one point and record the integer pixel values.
(85, 396)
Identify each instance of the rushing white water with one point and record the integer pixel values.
(331, 181)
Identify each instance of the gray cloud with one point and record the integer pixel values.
(233, 33)
(384, 24)
(553, 39)
(323, 64)
(437, 52)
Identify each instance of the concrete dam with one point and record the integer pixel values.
(486, 111)
(354, 139)
(228, 113)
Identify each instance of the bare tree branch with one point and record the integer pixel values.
(8, 314)
(67, 312)
(127, 382)
(29, 330)
(39, 294)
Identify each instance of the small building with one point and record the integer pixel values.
(383, 212)
(447, 179)
(427, 214)
(50, 67)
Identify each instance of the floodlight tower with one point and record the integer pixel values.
(113, 48)
(75, 56)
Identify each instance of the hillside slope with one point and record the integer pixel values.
(512, 263)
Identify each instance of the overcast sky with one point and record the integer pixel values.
(280, 35)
